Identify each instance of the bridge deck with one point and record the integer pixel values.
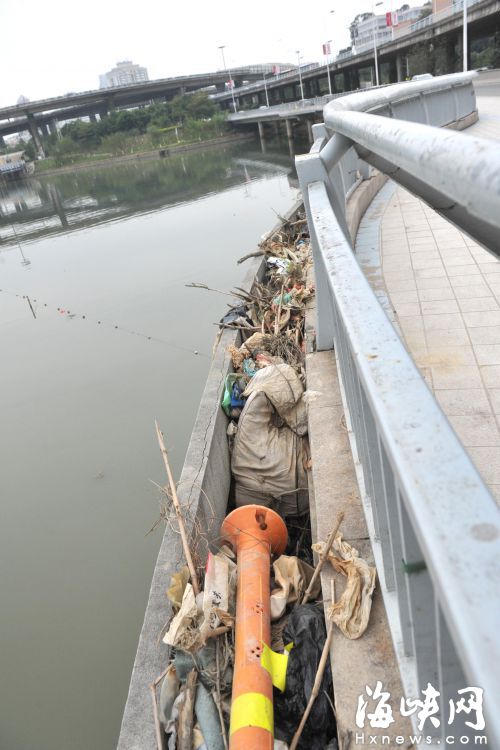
(443, 290)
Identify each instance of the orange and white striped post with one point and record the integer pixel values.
(255, 532)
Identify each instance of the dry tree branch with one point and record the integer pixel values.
(178, 513)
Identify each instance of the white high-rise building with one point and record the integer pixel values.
(124, 74)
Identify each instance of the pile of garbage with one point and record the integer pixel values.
(265, 400)
(264, 396)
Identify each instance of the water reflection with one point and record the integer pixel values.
(39, 207)
(98, 336)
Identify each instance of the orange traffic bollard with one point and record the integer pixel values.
(255, 533)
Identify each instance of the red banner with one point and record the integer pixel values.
(326, 48)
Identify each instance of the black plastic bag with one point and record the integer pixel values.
(306, 628)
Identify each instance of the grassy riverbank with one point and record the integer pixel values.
(47, 166)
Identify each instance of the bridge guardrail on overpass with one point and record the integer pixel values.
(433, 523)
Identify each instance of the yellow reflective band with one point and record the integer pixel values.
(276, 665)
(251, 710)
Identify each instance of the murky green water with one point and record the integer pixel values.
(104, 256)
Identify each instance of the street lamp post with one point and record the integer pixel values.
(300, 75)
(328, 66)
(375, 30)
(465, 37)
(228, 72)
(328, 61)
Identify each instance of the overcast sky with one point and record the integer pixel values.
(52, 47)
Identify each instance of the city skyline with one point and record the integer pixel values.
(53, 60)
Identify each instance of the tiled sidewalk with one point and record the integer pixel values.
(445, 291)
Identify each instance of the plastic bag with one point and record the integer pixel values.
(306, 629)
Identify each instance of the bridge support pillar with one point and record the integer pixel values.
(399, 67)
(2, 141)
(35, 135)
(53, 128)
(93, 117)
(44, 129)
(262, 136)
(310, 131)
(289, 129)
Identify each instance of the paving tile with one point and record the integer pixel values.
(478, 304)
(488, 354)
(472, 290)
(465, 271)
(432, 283)
(495, 287)
(437, 307)
(484, 335)
(495, 399)
(426, 260)
(400, 285)
(462, 376)
(464, 401)
(438, 294)
(482, 318)
(411, 323)
(450, 356)
(407, 308)
(487, 461)
(395, 251)
(416, 343)
(491, 376)
(476, 430)
(435, 272)
(446, 321)
(458, 261)
(408, 296)
(447, 337)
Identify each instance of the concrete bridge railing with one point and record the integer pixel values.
(433, 523)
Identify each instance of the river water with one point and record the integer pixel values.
(105, 344)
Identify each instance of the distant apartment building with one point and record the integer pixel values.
(124, 74)
(366, 26)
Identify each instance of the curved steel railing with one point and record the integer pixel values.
(434, 526)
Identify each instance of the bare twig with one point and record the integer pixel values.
(158, 730)
(277, 320)
(317, 684)
(31, 306)
(251, 255)
(324, 555)
(237, 328)
(178, 512)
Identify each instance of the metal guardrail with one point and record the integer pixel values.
(434, 525)
(257, 85)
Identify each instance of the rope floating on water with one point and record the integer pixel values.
(69, 314)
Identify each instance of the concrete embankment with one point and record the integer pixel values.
(333, 488)
(206, 474)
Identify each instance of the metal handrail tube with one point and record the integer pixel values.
(433, 524)
(389, 95)
(465, 170)
(453, 516)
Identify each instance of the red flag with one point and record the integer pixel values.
(326, 48)
(388, 19)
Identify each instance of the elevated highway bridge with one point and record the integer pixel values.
(45, 113)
